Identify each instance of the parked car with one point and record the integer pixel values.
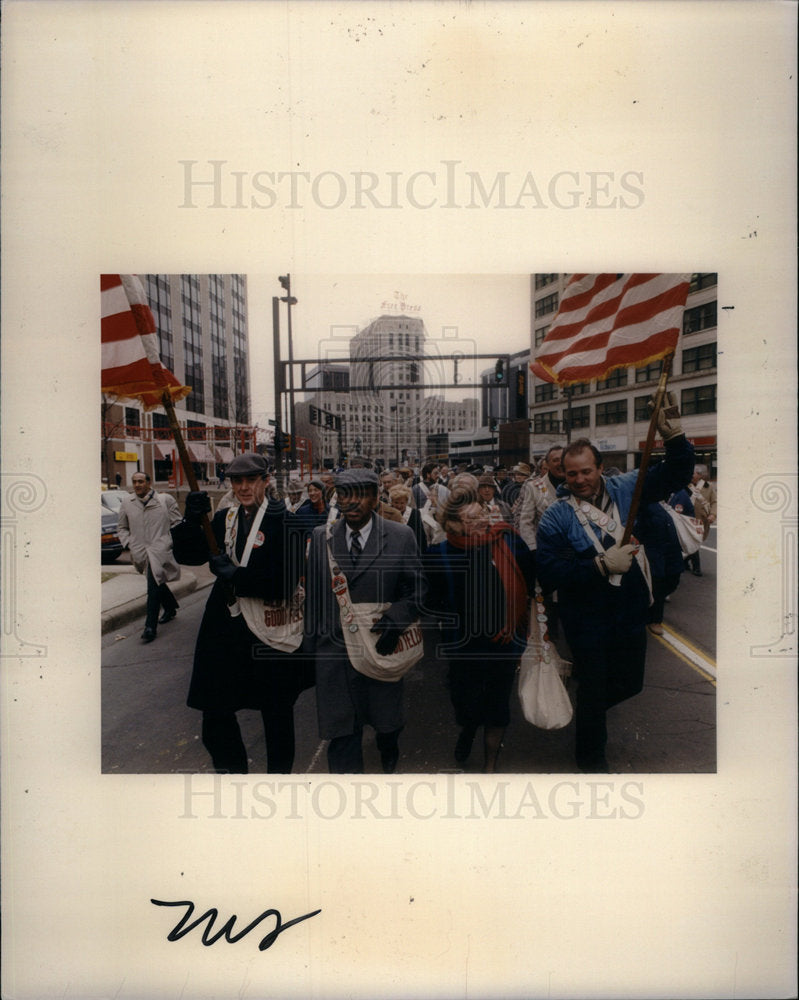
(112, 499)
(110, 546)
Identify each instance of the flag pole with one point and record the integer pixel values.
(188, 468)
(650, 440)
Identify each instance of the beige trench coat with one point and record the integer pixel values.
(144, 528)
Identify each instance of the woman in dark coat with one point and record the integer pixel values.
(314, 510)
(481, 576)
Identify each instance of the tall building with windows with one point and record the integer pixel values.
(383, 409)
(202, 335)
(613, 412)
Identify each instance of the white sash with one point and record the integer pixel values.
(356, 623)
(612, 526)
(278, 623)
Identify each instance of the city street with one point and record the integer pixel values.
(669, 728)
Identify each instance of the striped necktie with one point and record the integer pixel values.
(355, 545)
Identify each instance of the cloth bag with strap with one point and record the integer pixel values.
(356, 623)
(543, 696)
(276, 623)
(690, 530)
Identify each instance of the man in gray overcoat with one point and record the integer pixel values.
(145, 523)
(380, 561)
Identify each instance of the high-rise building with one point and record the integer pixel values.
(383, 412)
(612, 412)
(202, 334)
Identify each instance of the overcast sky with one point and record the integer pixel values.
(469, 313)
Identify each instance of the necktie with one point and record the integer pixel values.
(355, 545)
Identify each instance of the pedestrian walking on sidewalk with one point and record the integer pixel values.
(145, 523)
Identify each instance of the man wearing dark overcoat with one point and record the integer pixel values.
(243, 657)
(380, 561)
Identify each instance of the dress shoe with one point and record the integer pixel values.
(148, 635)
(697, 572)
(655, 628)
(389, 759)
(167, 616)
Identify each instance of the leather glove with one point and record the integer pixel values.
(197, 504)
(616, 559)
(669, 425)
(387, 642)
(223, 567)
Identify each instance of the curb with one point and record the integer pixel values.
(127, 612)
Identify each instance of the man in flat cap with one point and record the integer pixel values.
(377, 562)
(248, 652)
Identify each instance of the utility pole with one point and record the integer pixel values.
(288, 298)
(278, 390)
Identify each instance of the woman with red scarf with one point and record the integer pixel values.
(481, 575)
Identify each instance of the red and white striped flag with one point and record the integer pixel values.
(131, 364)
(608, 321)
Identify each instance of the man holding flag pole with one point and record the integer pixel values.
(585, 548)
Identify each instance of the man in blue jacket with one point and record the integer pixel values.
(603, 587)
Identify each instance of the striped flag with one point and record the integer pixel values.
(131, 365)
(608, 321)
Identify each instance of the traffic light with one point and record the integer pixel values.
(499, 371)
(492, 425)
(279, 440)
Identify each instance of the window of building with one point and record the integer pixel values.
(157, 288)
(580, 416)
(544, 423)
(697, 359)
(579, 388)
(540, 333)
(192, 342)
(614, 412)
(699, 318)
(699, 400)
(649, 374)
(614, 380)
(641, 408)
(132, 422)
(705, 280)
(547, 304)
(545, 392)
(542, 280)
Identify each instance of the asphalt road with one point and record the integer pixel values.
(669, 728)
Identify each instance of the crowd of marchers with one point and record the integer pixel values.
(323, 585)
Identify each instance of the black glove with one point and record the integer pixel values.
(223, 567)
(387, 642)
(197, 504)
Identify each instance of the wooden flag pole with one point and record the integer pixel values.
(650, 440)
(188, 468)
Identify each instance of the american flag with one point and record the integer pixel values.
(131, 363)
(608, 321)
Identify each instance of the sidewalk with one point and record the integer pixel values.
(124, 594)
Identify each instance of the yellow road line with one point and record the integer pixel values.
(689, 653)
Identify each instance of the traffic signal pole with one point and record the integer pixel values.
(278, 390)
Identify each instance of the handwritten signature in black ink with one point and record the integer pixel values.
(209, 938)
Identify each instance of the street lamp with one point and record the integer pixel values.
(288, 298)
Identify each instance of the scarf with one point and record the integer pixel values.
(510, 575)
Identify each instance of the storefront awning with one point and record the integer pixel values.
(160, 452)
(224, 454)
(199, 452)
